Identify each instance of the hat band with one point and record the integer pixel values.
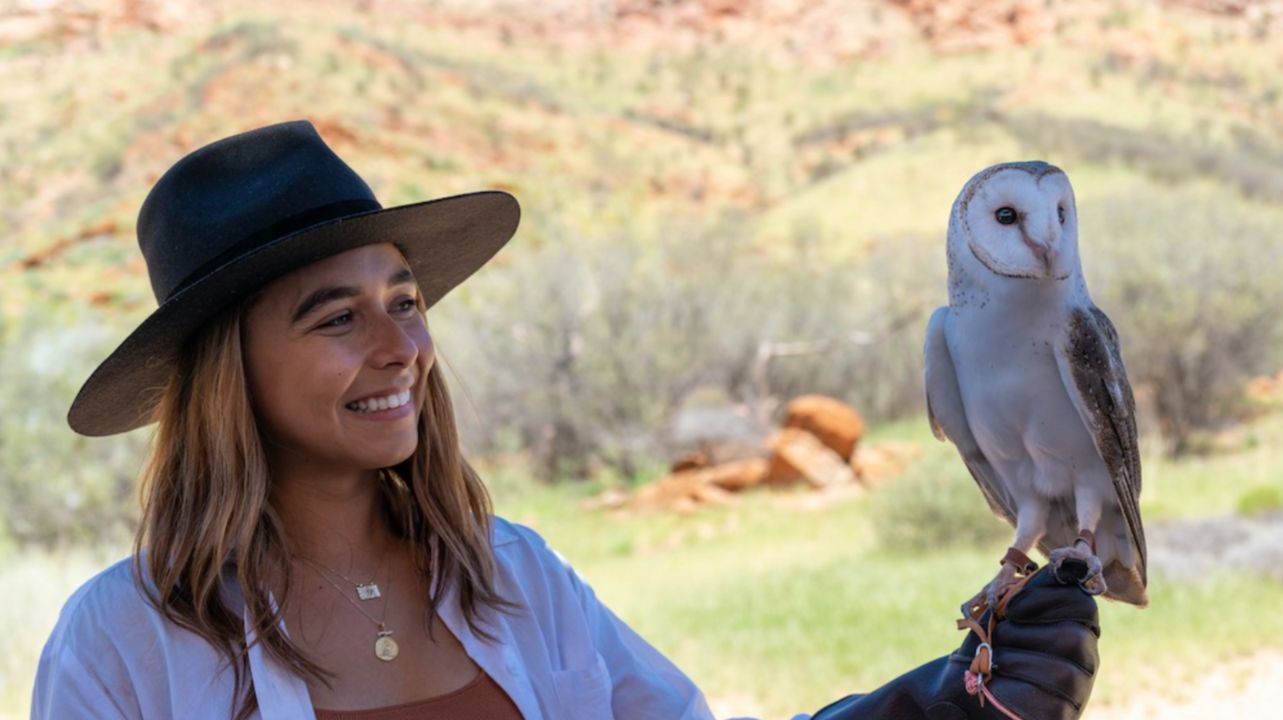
(279, 229)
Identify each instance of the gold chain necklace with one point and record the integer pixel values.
(385, 648)
(366, 590)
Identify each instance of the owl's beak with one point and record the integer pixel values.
(1045, 253)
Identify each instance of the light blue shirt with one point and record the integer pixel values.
(563, 655)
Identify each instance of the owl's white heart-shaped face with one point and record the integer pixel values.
(1020, 221)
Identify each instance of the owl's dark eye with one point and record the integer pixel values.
(1005, 215)
(1060, 211)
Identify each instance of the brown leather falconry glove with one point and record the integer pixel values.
(1044, 664)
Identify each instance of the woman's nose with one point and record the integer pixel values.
(393, 344)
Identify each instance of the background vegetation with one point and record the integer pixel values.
(701, 183)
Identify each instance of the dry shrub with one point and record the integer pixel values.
(58, 488)
(1192, 279)
(583, 349)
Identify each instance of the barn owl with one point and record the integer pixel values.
(1024, 376)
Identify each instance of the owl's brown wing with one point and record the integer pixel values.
(949, 419)
(1091, 363)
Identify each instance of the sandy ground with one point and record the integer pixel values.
(1250, 687)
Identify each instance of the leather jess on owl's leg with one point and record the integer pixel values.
(1031, 524)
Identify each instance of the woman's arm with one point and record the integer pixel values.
(642, 682)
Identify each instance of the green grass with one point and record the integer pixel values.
(1214, 484)
(780, 609)
(776, 606)
(773, 608)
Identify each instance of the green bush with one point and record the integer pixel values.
(56, 487)
(1190, 275)
(1260, 500)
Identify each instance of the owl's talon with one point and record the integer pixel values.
(1077, 564)
(1094, 585)
(992, 595)
(993, 592)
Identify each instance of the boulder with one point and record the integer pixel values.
(693, 460)
(875, 465)
(709, 455)
(736, 476)
(799, 455)
(669, 492)
(687, 490)
(684, 490)
(835, 423)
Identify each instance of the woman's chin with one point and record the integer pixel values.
(374, 454)
(390, 458)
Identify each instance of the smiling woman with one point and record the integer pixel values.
(313, 543)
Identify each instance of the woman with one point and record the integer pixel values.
(313, 544)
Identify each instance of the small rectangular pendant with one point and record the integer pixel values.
(368, 592)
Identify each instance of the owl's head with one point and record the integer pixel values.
(1018, 220)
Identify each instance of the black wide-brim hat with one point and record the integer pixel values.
(236, 214)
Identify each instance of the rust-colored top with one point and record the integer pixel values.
(481, 699)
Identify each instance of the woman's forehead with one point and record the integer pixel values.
(368, 266)
(378, 262)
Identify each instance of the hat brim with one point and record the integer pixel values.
(444, 240)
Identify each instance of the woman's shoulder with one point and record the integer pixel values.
(109, 603)
(105, 632)
(112, 648)
(116, 589)
(505, 532)
(523, 548)
(515, 537)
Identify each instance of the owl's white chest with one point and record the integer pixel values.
(1015, 399)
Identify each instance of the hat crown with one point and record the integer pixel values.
(228, 198)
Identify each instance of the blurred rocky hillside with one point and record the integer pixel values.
(737, 200)
(822, 31)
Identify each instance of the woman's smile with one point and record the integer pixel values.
(378, 403)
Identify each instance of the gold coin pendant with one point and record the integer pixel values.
(385, 648)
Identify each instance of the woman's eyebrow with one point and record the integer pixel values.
(320, 297)
(401, 276)
(329, 294)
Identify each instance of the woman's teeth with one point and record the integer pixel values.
(381, 403)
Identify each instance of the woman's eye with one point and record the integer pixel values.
(1060, 211)
(407, 304)
(338, 320)
(1005, 215)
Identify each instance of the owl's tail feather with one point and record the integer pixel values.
(1125, 584)
(1123, 564)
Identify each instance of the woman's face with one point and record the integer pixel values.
(337, 356)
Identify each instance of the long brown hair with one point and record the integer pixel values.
(207, 516)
